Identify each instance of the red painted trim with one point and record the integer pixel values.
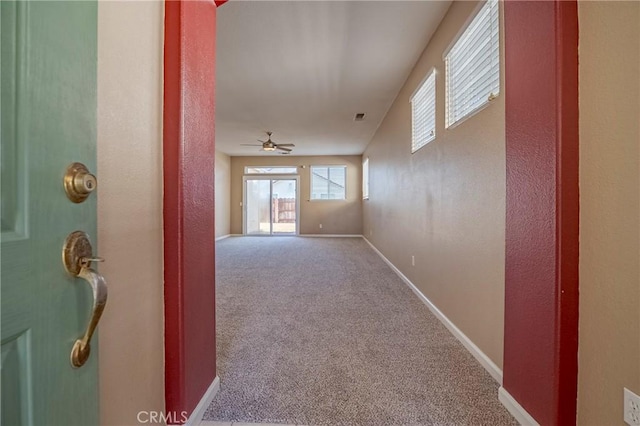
(568, 210)
(172, 210)
(220, 2)
(188, 148)
(541, 294)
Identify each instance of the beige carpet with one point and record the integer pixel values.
(320, 331)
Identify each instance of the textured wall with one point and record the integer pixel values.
(445, 204)
(223, 194)
(336, 216)
(541, 271)
(609, 351)
(189, 242)
(130, 208)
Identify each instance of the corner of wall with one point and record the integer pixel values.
(223, 194)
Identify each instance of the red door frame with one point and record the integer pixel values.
(541, 288)
(189, 243)
(542, 218)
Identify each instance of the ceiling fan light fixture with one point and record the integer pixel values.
(269, 148)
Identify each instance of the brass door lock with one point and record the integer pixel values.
(79, 183)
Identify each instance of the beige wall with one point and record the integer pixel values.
(609, 351)
(223, 194)
(130, 40)
(336, 216)
(445, 204)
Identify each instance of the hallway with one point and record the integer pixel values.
(320, 331)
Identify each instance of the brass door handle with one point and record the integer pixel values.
(82, 347)
(77, 255)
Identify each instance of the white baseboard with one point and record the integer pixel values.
(482, 358)
(223, 237)
(331, 235)
(516, 410)
(196, 416)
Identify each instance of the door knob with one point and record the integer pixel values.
(78, 182)
(77, 255)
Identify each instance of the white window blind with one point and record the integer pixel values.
(328, 182)
(473, 65)
(423, 113)
(365, 179)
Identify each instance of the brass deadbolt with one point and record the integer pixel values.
(79, 183)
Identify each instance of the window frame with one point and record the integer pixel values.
(365, 179)
(327, 166)
(277, 171)
(448, 50)
(431, 73)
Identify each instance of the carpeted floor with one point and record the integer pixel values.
(320, 331)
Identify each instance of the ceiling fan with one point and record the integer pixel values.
(269, 145)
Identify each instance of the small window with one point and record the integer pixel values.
(473, 66)
(276, 170)
(423, 113)
(365, 179)
(328, 182)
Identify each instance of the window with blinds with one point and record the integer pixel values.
(473, 66)
(423, 113)
(328, 182)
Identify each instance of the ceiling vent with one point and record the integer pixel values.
(359, 117)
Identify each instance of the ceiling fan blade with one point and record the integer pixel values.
(286, 144)
(261, 141)
(250, 144)
(280, 147)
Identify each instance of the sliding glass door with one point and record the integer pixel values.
(270, 205)
(258, 204)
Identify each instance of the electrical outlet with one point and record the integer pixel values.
(413, 261)
(631, 408)
(320, 226)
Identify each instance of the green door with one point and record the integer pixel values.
(48, 121)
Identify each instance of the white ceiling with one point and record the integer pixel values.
(303, 69)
